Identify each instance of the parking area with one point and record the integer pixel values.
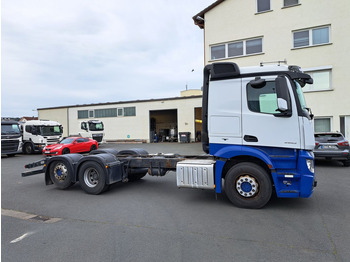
(153, 220)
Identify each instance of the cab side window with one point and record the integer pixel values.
(262, 99)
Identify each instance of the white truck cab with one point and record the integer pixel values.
(36, 134)
(92, 129)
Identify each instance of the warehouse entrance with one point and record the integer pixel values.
(163, 125)
(198, 124)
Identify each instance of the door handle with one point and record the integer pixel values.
(249, 138)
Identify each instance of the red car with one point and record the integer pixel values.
(71, 145)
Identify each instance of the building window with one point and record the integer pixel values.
(238, 48)
(253, 46)
(83, 114)
(287, 3)
(311, 37)
(235, 49)
(120, 111)
(91, 113)
(322, 124)
(217, 52)
(129, 111)
(262, 100)
(108, 112)
(321, 80)
(263, 5)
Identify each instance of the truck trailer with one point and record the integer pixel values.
(257, 138)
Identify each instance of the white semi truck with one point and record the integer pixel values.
(11, 137)
(92, 129)
(257, 134)
(37, 134)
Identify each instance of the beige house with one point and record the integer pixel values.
(309, 33)
(137, 120)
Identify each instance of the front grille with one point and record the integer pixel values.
(53, 140)
(9, 145)
(97, 137)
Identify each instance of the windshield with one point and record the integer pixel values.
(96, 126)
(9, 129)
(301, 96)
(51, 130)
(67, 141)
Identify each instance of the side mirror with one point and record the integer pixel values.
(283, 97)
(282, 104)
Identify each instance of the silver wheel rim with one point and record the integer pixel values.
(247, 186)
(91, 177)
(60, 172)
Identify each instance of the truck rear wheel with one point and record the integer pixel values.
(136, 173)
(61, 174)
(92, 178)
(248, 185)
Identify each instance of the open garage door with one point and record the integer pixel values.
(198, 124)
(163, 125)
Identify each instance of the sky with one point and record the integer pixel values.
(64, 52)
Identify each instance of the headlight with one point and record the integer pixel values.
(310, 165)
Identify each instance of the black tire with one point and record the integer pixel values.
(93, 147)
(61, 174)
(27, 148)
(346, 163)
(92, 178)
(65, 151)
(248, 185)
(135, 174)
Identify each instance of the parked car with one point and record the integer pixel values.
(332, 145)
(71, 145)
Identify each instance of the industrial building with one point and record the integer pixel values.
(154, 120)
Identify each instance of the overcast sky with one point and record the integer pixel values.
(68, 52)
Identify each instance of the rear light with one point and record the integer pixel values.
(316, 143)
(346, 143)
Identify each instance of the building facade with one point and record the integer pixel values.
(308, 33)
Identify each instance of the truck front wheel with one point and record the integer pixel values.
(60, 174)
(248, 185)
(92, 178)
(28, 148)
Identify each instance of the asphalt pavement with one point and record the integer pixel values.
(153, 220)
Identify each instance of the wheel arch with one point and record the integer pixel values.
(70, 160)
(245, 158)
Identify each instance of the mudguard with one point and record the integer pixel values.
(71, 161)
(113, 168)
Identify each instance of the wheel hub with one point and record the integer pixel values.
(60, 172)
(247, 186)
(91, 177)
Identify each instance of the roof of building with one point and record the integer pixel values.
(200, 22)
(123, 102)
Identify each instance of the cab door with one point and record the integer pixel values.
(262, 125)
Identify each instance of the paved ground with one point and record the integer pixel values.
(153, 220)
